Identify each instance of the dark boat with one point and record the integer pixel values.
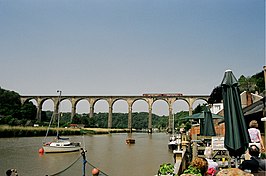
(130, 141)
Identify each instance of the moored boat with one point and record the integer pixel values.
(172, 144)
(59, 145)
(130, 141)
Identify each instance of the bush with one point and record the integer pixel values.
(166, 169)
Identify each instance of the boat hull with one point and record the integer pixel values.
(61, 146)
(54, 149)
(130, 141)
(172, 146)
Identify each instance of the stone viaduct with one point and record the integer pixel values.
(149, 99)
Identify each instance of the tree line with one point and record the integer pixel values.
(13, 112)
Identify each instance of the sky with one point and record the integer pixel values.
(128, 47)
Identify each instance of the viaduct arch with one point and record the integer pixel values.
(149, 99)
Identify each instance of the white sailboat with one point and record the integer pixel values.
(59, 144)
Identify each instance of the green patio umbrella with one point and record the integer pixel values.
(201, 116)
(201, 121)
(208, 127)
(236, 133)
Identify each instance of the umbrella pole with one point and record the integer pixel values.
(236, 162)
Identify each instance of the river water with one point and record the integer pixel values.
(108, 152)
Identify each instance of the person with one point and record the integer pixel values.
(198, 164)
(208, 154)
(255, 135)
(11, 172)
(253, 164)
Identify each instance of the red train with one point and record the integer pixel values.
(162, 95)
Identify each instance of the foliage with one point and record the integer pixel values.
(28, 111)
(12, 112)
(180, 123)
(216, 95)
(247, 84)
(120, 120)
(9, 103)
(166, 169)
(192, 170)
(199, 108)
(250, 84)
(160, 122)
(140, 120)
(259, 79)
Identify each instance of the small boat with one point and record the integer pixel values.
(130, 141)
(59, 144)
(172, 144)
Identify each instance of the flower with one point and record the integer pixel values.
(211, 171)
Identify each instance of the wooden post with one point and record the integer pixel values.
(194, 147)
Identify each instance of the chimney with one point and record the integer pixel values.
(249, 98)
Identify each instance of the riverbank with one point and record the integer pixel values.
(20, 131)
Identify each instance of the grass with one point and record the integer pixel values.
(20, 131)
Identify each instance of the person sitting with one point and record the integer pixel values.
(208, 153)
(253, 164)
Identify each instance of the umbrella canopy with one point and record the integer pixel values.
(236, 133)
(208, 127)
(201, 121)
(201, 116)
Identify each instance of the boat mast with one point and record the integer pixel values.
(173, 130)
(58, 111)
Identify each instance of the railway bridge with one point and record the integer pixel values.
(148, 98)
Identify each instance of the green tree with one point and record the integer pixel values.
(9, 103)
(216, 95)
(28, 111)
(199, 108)
(247, 84)
(259, 79)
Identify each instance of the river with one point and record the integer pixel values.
(108, 152)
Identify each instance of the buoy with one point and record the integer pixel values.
(41, 150)
(95, 171)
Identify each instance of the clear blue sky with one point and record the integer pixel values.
(128, 47)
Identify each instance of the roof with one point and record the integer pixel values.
(255, 107)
